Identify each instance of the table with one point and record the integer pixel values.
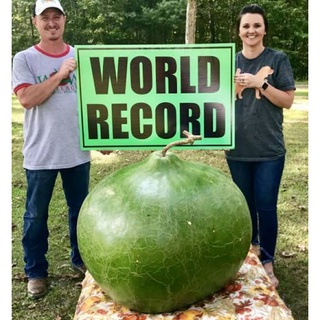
(250, 296)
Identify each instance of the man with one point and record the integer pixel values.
(44, 82)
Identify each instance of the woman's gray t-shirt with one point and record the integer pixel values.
(258, 122)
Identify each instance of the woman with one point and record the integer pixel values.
(264, 86)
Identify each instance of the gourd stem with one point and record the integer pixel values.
(190, 139)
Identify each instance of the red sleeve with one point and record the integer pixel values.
(20, 86)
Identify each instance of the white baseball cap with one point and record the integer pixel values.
(42, 5)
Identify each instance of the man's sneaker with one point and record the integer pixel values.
(81, 268)
(37, 287)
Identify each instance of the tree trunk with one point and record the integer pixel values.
(191, 21)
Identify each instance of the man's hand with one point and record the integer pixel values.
(67, 67)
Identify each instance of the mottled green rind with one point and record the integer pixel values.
(164, 233)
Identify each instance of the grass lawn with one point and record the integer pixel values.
(60, 303)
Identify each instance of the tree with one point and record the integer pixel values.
(170, 21)
(191, 21)
(22, 29)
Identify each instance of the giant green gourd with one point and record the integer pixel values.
(164, 233)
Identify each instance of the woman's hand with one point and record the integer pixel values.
(247, 80)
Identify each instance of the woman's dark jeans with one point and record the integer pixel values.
(75, 182)
(259, 182)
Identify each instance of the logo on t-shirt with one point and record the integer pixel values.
(262, 74)
(64, 81)
(67, 85)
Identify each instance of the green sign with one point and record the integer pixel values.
(145, 96)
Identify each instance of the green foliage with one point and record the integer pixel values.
(23, 33)
(163, 21)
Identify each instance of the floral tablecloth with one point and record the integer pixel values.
(249, 297)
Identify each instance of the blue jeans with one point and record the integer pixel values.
(75, 182)
(260, 183)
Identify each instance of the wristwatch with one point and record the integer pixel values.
(265, 85)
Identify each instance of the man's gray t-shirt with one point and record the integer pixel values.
(258, 122)
(51, 130)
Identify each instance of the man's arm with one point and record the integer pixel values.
(33, 95)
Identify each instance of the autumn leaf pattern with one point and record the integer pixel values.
(248, 297)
